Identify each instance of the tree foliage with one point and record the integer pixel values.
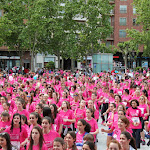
(52, 27)
(127, 48)
(143, 19)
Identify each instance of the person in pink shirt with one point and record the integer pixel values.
(89, 119)
(83, 129)
(80, 112)
(59, 144)
(70, 139)
(63, 98)
(20, 108)
(48, 134)
(136, 95)
(5, 143)
(18, 134)
(118, 100)
(30, 106)
(10, 101)
(126, 98)
(56, 119)
(145, 113)
(95, 111)
(75, 102)
(2, 92)
(5, 121)
(39, 109)
(35, 120)
(36, 140)
(112, 109)
(68, 117)
(136, 116)
(127, 142)
(24, 122)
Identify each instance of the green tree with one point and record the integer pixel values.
(143, 18)
(12, 24)
(126, 48)
(96, 28)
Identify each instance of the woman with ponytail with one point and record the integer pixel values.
(70, 139)
(127, 142)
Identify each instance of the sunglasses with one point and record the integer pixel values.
(28, 96)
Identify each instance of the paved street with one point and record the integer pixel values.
(103, 136)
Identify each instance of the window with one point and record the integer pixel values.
(134, 22)
(123, 9)
(134, 10)
(109, 43)
(39, 65)
(122, 33)
(123, 21)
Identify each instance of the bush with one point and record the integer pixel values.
(50, 65)
(137, 68)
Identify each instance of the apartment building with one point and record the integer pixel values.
(124, 17)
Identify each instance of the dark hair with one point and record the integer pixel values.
(91, 111)
(113, 104)
(12, 122)
(88, 137)
(145, 92)
(127, 91)
(125, 120)
(48, 119)
(129, 137)
(134, 100)
(24, 119)
(22, 101)
(73, 135)
(90, 144)
(5, 114)
(116, 142)
(47, 112)
(7, 104)
(87, 125)
(111, 91)
(5, 98)
(40, 105)
(41, 139)
(7, 138)
(60, 140)
(55, 111)
(119, 97)
(39, 121)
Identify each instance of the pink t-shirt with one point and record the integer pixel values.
(49, 138)
(57, 122)
(36, 147)
(23, 112)
(134, 114)
(67, 115)
(94, 125)
(79, 114)
(4, 125)
(143, 109)
(17, 136)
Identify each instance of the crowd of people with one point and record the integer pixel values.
(60, 110)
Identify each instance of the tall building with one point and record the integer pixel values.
(124, 17)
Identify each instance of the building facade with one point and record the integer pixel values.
(124, 17)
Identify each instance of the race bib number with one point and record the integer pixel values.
(136, 119)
